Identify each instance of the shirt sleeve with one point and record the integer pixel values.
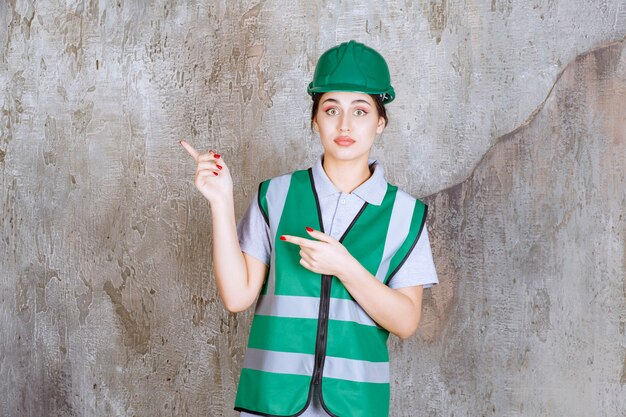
(419, 268)
(254, 232)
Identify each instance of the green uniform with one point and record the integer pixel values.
(308, 330)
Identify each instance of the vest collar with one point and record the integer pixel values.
(373, 190)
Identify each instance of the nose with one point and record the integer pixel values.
(344, 123)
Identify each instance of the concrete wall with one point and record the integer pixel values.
(510, 122)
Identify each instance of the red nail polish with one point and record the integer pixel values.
(216, 155)
(218, 166)
(283, 238)
(215, 173)
(309, 229)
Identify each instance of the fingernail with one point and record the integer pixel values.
(216, 155)
(309, 229)
(283, 238)
(218, 166)
(215, 173)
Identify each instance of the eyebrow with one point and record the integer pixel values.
(353, 102)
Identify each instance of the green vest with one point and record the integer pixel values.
(307, 329)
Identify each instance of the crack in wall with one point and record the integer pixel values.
(533, 114)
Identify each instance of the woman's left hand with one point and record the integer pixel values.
(325, 255)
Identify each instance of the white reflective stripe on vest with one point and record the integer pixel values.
(356, 370)
(308, 308)
(279, 362)
(397, 231)
(302, 364)
(276, 196)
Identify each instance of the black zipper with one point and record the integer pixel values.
(322, 328)
(322, 323)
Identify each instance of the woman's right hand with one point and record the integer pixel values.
(213, 178)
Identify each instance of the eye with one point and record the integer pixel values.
(360, 112)
(332, 111)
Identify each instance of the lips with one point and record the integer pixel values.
(344, 141)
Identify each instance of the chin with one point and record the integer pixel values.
(346, 154)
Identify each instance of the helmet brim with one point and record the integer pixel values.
(388, 95)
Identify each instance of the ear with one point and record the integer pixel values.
(315, 126)
(381, 125)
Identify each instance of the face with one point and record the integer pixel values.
(348, 124)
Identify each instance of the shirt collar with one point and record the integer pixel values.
(373, 190)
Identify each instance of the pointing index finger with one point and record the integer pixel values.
(190, 149)
(300, 241)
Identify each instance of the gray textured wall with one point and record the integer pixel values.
(510, 122)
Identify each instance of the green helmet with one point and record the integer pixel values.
(354, 67)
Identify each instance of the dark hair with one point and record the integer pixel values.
(378, 100)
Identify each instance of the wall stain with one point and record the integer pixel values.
(607, 61)
(56, 388)
(199, 304)
(251, 61)
(436, 12)
(540, 314)
(84, 300)
(23, 298)
(43, 275)
(503, 7)
(136, 334)
(622, 380)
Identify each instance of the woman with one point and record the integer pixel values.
(337, 256)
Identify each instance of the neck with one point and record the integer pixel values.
(346, 175)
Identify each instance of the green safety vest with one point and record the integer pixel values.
(308, 330)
